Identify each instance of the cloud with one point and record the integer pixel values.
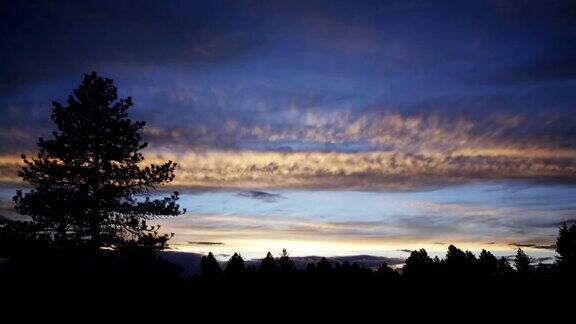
(546, 69)
(246, 168)
(204, 243)
(541, 259)
(362, 169)
(68, 38)
(261, 195)
(386, 110)
(551, 247)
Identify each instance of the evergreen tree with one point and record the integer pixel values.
(386, 272)
(310, 267)
(488, 263)
(88, 185)
(566, 249)
(418, 263)
(235, 265)
(455, 258)
(323, 266)
(504, 268)
(522, 263)
(541, 270)
(285, 264)
(209, 267)
(268, 264)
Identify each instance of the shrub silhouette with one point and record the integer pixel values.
(87, 180)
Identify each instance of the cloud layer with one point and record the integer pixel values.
(324, 93)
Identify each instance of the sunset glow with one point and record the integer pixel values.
(323, 127)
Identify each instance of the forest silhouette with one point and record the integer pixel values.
(91, 200)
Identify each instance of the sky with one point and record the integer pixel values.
(337, 111)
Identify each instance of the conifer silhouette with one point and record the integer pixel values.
(268, 264)
(235, 265)
(209, 267)
(323, 266)
(285, 264)
(522, 263)
(88, 185)
(566, 249)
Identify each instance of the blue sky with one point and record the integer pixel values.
(358, 103)
(499, 216)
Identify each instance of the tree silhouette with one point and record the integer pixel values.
(285, 264)
(88, 186)
(268, 264)
(310, 267)
(488, 264)
(522, 263)
(323, 266)
(18, 237)
(209, 267)
(542, 270)
(235, 265)
(504, 267)
(418, 263)
(566, 249)
(455, 257)
(386, 272)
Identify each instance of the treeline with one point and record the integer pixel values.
(41, 253)
(44, 269)
(457, 264)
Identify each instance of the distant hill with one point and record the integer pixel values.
(190, 261)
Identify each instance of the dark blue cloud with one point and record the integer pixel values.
(44, 41)
(272, 75)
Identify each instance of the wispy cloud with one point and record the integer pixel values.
(551, 247)
(260, 195)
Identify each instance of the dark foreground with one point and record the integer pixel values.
(45, 273)
(144, 277)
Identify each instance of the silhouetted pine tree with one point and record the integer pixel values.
(488, 264)
(235, 266)
(285, 264)
(566, 249)
(268, 264)
(310, 268)
(323, 266)
(386, 272)
(522, 263)
(209, 267)
(455, 258)
(542, 271)
(504, 267)
(17, 237)
(88, 185)
(417, 264)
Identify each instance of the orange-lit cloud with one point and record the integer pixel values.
(392, 151)
(363, 169)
